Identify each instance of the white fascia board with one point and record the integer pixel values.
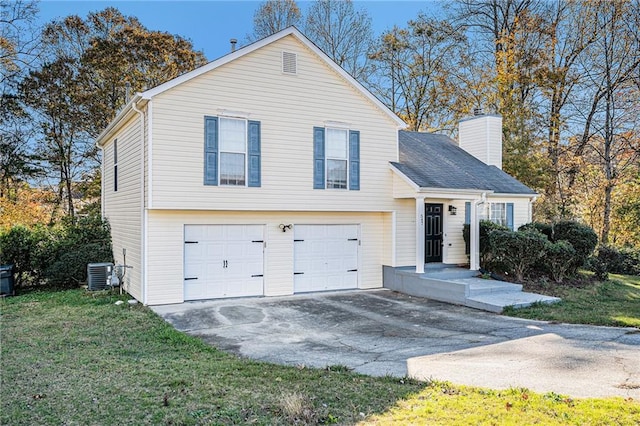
(501, 195)
(404, 177)
(453, 194)
(123, 115)
(261, 43)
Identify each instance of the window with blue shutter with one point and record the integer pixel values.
(232, 151)
(318, 158)
(510, 216)
(336, 158)
(354, 160)
(210, 150)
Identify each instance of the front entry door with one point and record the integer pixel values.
(433, 233)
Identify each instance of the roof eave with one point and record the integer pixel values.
(120, 118)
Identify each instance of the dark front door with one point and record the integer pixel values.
(433, 233)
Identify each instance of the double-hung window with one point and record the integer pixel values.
(498, 213)
(232, 152)
(501, 214)
(336, 158)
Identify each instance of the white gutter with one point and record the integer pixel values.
(143, 212)
(150, 155)
(122, 114)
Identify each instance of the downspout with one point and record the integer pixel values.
(102, 184)
(143, 212)
(531, 201)
(474, 234)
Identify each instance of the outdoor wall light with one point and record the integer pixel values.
(284, 227)
(453, 210)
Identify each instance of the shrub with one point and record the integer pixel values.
(17, 247)
(557, 259)
(543, 228)
(517, 251)
(72, 247)
(612, 260)
(57, 255)
(581, 237)
(487, 258)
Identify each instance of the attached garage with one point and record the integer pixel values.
(223, 261)
(325, 257)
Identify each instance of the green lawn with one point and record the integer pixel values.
(73, 357)
(614, 303)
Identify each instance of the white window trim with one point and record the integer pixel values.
(232, 113)
(245, 152)
(327, 158)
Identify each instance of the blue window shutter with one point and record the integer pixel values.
(254, 154)
(467, 212)
(210, 151)
(354, 160)
(318, 158)
(510, 216)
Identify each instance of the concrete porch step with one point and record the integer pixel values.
(496, 302)
(479, 286)
(462, 287)
(449, 273)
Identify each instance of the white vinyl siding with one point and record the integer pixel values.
(166, 242)
(405, 232)
(482, 137)
(255, 83)
(122, 207)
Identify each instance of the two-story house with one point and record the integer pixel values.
(271, 171)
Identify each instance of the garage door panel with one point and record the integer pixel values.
(225, 260)
(324, 257)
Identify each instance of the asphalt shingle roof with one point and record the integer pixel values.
(436, 161)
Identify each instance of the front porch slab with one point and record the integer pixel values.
(452, 284)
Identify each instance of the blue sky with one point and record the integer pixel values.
(209, 24)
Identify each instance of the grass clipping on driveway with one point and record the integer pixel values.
(615, 302)
(77, 358)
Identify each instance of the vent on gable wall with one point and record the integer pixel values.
(289, 63)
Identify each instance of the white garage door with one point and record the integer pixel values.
(325, 257)
(223, 261)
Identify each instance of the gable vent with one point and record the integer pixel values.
(289, 63)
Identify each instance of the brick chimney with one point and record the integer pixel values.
(481, 136)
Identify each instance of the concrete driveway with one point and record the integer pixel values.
(381, 332)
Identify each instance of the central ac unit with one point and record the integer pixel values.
(97, 274)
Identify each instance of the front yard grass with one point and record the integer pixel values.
(74, 357)
(615, 302)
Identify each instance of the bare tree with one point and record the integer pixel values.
(19, 48)
(343, 33)
(273, 16)
(609, 98)
(412, 67)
